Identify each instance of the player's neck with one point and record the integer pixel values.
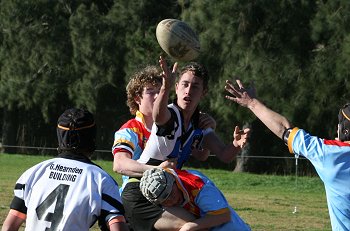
(148, 121)
(187, 118)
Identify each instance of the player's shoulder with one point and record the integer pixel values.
(97, 170)
(36, 169)
(176, 114)
(42, 164)
(130, 123)
(174, 108)
(198, 174)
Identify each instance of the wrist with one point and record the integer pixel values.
(251, 104)
(165, 88)
(236, 145)
(191, 226)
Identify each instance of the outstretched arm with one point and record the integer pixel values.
(227, 152)
(161, 114)
(123, 164)
(274, 121)
(206, 222)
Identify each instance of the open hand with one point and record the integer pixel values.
(169, 76)
(239, 94)
(240, 137)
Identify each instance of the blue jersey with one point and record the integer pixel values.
(172, 140)
(331, 159)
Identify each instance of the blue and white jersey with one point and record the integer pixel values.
(66, 193)
(331, 159)
(172, 140)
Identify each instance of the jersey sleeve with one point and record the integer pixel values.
(323, 154)
(111, 207)
(302, 143)
(313, 148)
(18, 201)
(210, 199)
(125, 140)
(169, 127)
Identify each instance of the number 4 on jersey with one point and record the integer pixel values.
(58, 195)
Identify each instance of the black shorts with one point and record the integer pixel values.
(139, 212)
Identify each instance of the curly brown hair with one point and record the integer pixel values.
(150, 75)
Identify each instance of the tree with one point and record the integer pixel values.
(33, 66)
(139, 21)
(98, 60)
(265, 42)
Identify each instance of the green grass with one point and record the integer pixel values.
(265, 202)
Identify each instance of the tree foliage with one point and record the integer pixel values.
(58, 54)
(293, 51)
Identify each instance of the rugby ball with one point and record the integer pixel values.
(178, 39)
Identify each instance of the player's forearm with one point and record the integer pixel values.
(118, 224)
(12, 222)
(225, 153)
(201, 155)
(207, 222)
(130, 167)
(161, 113)
(229, 153)
(274, 121)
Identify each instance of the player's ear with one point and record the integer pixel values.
(137, 99)
(176, 86)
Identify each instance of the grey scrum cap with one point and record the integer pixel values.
(156, 185)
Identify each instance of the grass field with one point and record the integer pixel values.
(265, 202)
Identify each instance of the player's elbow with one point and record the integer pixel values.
(119, 164)
(120, 167)
(117, 168)
(228, 158)
(201, 155)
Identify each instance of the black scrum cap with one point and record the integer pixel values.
(76, 131)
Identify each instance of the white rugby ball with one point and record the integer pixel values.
(178, 39)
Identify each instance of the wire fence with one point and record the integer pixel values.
(2, 146)
(270, 164)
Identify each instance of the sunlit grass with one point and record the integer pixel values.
(266, 202)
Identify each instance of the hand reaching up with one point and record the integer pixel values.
(169, 76)
(239, 94)
(240, 137)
